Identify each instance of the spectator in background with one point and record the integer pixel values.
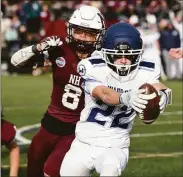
(5, 26)
(163, 11)
(140, 9)
(110, 15)
(45, 14)
(178, 24)
(56, 9)
(153, 7)
(150, 36)
(131, 10)
(32, 10)
(169, 38)
(11, 35)
(122, 11)
(67, 9)
(8, 131)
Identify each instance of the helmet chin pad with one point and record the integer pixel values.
(83, 47)
(122, 70)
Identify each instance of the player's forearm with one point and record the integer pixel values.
(14, 159)
(159, 86)
(22, 56)
(107, 95)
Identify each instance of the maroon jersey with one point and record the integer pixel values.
(67, 98)
(8, 132)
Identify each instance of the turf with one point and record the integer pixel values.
(25, 98)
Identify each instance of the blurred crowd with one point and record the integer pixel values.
(24, 23)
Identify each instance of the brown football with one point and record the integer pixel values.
(152, 111)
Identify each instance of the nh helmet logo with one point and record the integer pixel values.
(60, 61)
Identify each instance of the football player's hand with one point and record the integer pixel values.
(135, 99)
(48, 43)
(163, 101)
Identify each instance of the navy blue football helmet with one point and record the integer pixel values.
(122, 40)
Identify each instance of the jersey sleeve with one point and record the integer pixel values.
(8, 132)
(90, 70)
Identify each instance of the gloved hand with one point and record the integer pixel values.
(46, 44)
(163, 101)
(134, 99)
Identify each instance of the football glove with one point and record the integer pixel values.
(134, 99)
(165, 99)
(46, 44)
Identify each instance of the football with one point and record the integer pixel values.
(152, 111)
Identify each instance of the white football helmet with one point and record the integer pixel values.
(90, 19)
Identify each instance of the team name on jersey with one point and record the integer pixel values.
(74, 79)
(118, 89)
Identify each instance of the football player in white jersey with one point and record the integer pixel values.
(112, 77)
(151, 46)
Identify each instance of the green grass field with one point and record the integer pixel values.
(155, 151)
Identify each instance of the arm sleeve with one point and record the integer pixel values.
(27, 57)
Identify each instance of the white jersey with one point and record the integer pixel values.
(108, 125)
(150, 47)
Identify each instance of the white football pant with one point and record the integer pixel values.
(82, 158)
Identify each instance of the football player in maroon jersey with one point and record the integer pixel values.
(8, 132)
(85, 30)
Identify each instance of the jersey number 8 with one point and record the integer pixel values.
(71, 96)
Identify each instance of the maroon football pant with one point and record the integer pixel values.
(46, 153)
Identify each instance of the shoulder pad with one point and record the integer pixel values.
(89, 63)
(96, 61)
(147, 65)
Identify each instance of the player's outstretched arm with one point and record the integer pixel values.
(14, 158)
(107, 95)
(134, 99)
(22, 56)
